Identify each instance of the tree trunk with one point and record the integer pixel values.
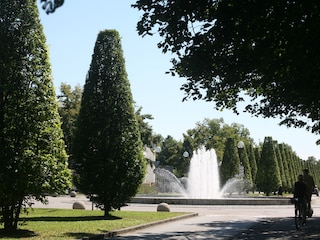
(7, 213)
(16, 212)
(107, 209)
(10, 214)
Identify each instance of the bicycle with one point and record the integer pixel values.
(299, 212)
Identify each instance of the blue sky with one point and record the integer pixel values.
(71, 33)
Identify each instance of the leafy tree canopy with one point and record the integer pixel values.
(266, 51)
(50, 5)
(213, 133)
(144, 127)
(69, 107)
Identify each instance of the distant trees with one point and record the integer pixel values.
(32, 155)
(172, 155)
(145, 129)
(69, 106)
(107, 149)
(213, 133)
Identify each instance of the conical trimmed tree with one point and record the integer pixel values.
(244, 161)
(230, 161)
(253, 164)
(268, 175)
(107, 149)
(32, 155)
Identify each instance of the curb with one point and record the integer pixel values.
(218, 201)
(138, 227)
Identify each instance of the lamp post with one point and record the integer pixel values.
(240, 146)
(156, 150)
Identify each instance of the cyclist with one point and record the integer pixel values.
(310, 186)
(300, 192)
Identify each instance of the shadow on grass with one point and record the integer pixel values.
(17, 234)
(68, 219)
(26, 234)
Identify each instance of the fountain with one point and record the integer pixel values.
(202, 185)
(203, 178)
(168, 182)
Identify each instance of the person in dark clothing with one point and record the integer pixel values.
(308, 179)
(300, 188)
(301, 192)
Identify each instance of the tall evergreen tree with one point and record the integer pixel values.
(244, 160)
(253, 164)
(287, 184)
(281, 168)
(268, 175)
(292, 174)
(107, 148)
(32, 155)
(257, 154)
(230, 161)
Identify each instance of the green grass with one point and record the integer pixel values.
(54, 224)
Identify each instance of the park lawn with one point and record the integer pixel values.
(54, 224)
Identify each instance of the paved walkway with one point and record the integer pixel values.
(230, 222)
(218, 222)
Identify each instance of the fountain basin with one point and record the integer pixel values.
(218, 201)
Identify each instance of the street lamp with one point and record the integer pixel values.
(240, 146)
(185, 154)
(156, 150)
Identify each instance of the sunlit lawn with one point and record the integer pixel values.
(75, 224)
